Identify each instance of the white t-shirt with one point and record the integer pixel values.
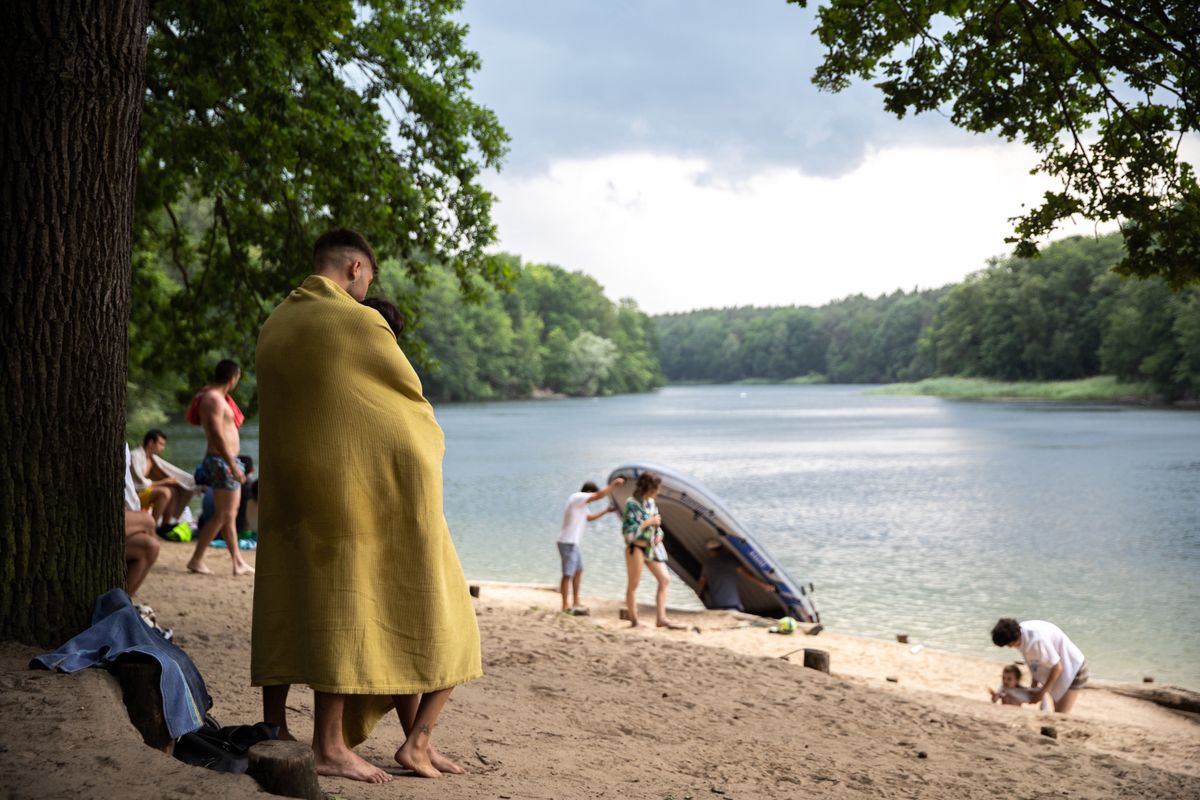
(131, 496)
(574, 518)
(1043, 644)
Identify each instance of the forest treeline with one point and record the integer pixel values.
(553, 331)
(1062, 316)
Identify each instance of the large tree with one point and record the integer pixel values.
(1103, 90)
(70, 97)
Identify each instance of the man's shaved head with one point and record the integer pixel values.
(340, 245)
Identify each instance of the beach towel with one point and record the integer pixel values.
(137, 470)
(358, 589)
(118, 630)
(192, 414)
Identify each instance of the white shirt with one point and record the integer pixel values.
(131, 496)
(1043, 644)
(574, 518)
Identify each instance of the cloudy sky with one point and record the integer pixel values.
(677, 151)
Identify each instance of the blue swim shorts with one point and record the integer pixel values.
(572, 558)
(218, 474)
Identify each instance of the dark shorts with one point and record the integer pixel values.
(217, 473)
(1081, 677)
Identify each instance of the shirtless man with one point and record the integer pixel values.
(221, 468)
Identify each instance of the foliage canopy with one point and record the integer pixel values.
(1103, 90)
(267, 122)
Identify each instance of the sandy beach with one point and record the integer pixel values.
(585, 707)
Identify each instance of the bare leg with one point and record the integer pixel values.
(414, 753)
(179, 501)
(575, 586)
(633, 569)
(160, 496)
(406, 710)
(1065, 705)
(333, 757)
(225, 521)
(659, 570)
(274, 699)
(141, 548)
(563, 587)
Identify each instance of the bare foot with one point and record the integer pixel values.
(242, 568)
(348, 764)
(285, 735)
(443, 764)
(673, 626)
(411, 757)
(633, 623)
(199, 567)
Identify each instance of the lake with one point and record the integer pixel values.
(913, 515)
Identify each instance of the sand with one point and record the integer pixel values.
(583, 707)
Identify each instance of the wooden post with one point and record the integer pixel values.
(902, 638)
(143, 699)
(623, 614)
(816, 659)
(285, 768)
(473, 589)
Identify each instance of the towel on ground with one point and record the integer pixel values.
(358, 589)
(117, 630)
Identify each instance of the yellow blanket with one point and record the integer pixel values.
(359, 590)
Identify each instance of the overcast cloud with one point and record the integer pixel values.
(677, 151)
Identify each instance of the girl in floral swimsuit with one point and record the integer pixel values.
(643, 547)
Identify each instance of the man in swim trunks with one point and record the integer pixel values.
(221, 469)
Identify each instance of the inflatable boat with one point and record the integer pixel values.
(691, 517)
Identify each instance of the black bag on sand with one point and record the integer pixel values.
(222, 749)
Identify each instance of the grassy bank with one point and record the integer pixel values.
(1099, 388)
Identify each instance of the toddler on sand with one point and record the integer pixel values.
(1011, 692)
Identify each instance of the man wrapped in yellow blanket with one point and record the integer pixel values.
(359, 592)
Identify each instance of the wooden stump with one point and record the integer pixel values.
(474, 590)
(285, 768)
(140, 690)
(816, 659)
(902, 638)
(623, 614)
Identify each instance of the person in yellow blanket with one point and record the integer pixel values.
(359, 592)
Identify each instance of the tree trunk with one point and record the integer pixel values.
(70, 105)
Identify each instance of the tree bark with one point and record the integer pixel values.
(70, 105)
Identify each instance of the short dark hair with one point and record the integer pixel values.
(226, 369)
(646, 481)
(343, 239)
(387, 309)
(152, 435)
(1006, 632)
(590, 487)
(1015, 671)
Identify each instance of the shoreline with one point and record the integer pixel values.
(587, 707)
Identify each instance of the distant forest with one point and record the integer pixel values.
(1061, 316)
(555, 332)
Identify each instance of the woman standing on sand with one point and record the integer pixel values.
(643, 546)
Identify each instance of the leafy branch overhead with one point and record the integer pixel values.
(266, 122)
(1105, 91)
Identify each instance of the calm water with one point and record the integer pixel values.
(917, 515)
